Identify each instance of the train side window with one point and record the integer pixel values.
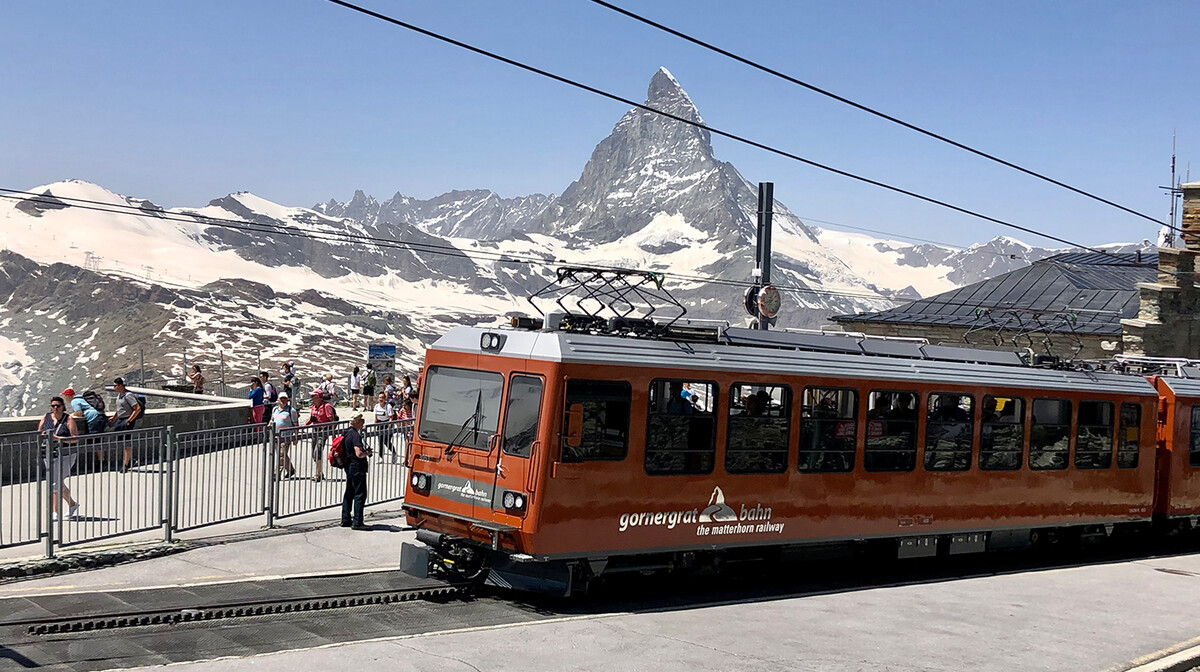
(1002, 433)
(1094, 435)
(521, 418)
(756, 439)
(1050, 434)
(1130, 437)
(828, 429)
(1194, 452)
(681, 427)
(606, 405)
(891, 431)
(949, 420)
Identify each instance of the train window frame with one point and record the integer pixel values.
(987, 429)
(1043, 451)
(731, 420)
(956, 453)
(1123, 453)
(566, 452)
(526, 447)
(440, 430)
(1194, 438)
(1079, 429)
(653, 416)
(905, 458)
(820, 456)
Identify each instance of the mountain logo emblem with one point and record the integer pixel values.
(717, 510)
(467, 489)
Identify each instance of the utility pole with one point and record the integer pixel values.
(762, 299)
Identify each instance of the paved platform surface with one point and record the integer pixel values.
(1096, 617)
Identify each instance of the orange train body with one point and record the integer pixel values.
(779, 444)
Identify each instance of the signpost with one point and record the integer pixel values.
(382, 360)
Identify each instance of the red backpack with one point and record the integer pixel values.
(337, 452)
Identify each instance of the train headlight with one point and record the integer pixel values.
(514, 502)
(420, 482)
(493, 342)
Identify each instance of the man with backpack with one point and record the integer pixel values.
(368, 388)
(356, 458)
(129, 410)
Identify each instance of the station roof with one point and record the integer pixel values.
(1094, 290)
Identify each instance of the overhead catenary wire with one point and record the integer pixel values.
(872, 111)
(727, 134)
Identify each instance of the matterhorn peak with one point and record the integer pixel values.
(666, 95)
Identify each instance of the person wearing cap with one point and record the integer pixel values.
(129, 410)
(355, 497)
(93, 420)
(286, 419)
(320, 413)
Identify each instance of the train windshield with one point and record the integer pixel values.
(461, 407)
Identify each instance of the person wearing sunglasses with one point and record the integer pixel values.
(59, 424)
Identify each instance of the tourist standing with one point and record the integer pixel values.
(129, 411)
(355, 497)
(270, 394)
(321, 412)
(329, 389)
(389, 388)
(285, 418)
(255, 395)
(59, 424)
(384, 412)
(368, 388)
(354, 384)
(288, 371)
(197, 379)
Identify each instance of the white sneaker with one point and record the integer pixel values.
(54, 516)
(74, 512)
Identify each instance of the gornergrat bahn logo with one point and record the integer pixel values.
(718, 518)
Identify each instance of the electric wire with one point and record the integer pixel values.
(710, 129)
(870, 110)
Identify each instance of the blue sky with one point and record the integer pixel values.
(301, 100)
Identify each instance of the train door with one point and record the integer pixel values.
(518, 447)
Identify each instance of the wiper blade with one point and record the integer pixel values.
(461, 434)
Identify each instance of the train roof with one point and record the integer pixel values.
(794, 354)
(1183, 387)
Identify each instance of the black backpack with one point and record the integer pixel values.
(94, 400)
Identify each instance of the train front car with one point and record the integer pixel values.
(1178, 500)
(477, 458)
(545, 458)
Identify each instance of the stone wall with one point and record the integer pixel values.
(1167, 323)
(1061, 345)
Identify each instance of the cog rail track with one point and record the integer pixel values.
(218, 608)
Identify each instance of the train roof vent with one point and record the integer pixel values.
(972, 355)
(1190, 371)
(889, 348)
(785, 339)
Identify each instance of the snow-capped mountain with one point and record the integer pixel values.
(90, 277)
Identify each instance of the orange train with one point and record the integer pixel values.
(546, 457)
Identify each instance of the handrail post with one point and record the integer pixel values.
(47, 450)
(167, 474)
(271, 454)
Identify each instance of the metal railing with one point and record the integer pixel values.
(64, 492)
(21, 483)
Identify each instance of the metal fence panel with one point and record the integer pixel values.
(311, 484)
(219, 475)
(22, 478)
(113, 500)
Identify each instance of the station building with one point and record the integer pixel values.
(1083, 305)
